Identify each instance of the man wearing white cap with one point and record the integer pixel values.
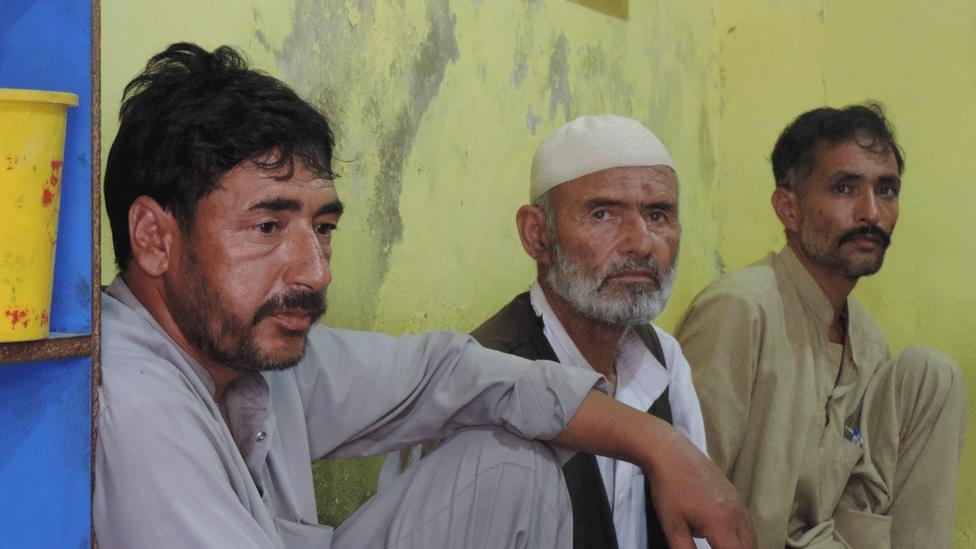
(603, 229)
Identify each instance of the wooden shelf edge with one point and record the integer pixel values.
(55, 347)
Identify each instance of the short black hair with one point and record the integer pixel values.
(792, 157)
(191, 116)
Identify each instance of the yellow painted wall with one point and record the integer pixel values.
(439, 105)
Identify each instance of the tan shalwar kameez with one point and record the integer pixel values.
(830, 445)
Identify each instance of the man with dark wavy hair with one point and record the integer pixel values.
(219, 388)
(830, 440)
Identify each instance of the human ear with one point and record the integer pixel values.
(151, 230)
(786, 205)
(531, 224)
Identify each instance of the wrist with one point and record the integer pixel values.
(656, 445)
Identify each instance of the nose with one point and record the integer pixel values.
(308, 261)
(868, 209)
(637, 238)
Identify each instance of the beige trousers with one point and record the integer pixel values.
(902, 493)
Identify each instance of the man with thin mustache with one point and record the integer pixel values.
(603, 230)
(830, 440)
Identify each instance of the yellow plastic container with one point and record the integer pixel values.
(32, 127)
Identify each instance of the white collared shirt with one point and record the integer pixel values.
(641, 379)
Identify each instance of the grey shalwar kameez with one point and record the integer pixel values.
(174, 470)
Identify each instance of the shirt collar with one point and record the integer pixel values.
(555, 333)
(857, 320)
(640, 377)
(121, 293)
(813, 297)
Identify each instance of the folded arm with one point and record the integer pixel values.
(690, 494)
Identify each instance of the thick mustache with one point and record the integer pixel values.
(633, 264)
(865, 231)
(312, 303)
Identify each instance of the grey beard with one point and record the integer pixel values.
(640, 304)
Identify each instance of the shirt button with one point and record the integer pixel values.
(260, 436)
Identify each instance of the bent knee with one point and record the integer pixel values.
(924, 366)
(929, 376)
(531, 469)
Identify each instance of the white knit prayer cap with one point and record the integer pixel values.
(592, 143)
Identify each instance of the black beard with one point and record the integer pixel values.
(224, 339)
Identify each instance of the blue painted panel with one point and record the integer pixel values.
(45, 459)
(46, 44)
(45, 407)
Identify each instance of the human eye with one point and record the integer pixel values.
(887, 190)
(841, 188)
(601, 214)
(658, 216)
(268, 227)
(325, 229)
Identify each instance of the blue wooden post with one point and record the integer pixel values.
(45, 407)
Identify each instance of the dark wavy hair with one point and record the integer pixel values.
(191, 116)
(792, 157)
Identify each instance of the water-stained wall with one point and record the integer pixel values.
(439, 105)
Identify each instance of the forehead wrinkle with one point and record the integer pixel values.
(603, 201)
(625, 194)
(318, 183)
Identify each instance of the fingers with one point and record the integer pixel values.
(679, 537)
(692, 497)
(726, 525)
(736, 533)
(728, 540)
(747, 535)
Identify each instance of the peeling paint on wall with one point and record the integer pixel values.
(521, 68)
(436, 51)
(719, 264)
(532, 120)
(323, 57)
(259, 34)
(560, 93)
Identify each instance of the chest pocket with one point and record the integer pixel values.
(299, 535)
